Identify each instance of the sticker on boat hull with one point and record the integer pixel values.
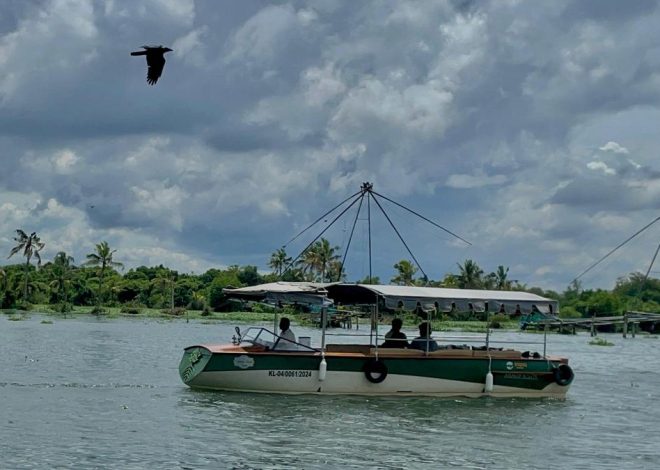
(244, 362)
(290, 373)
(509, 365)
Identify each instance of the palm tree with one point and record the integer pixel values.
(449, 281)
(334, 273)
(326, 257)
(167, 281)
(501, 280)
(103, 259)
(406, 271)
(319, 258)
(61, 274)
(470, 275)
(279, 260)
(31, 246)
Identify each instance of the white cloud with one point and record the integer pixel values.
(460, 181)
(191, 47)
(262, 36)
(614, 148)
(65, 160)
(601, 166)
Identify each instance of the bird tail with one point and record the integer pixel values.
(139, 53)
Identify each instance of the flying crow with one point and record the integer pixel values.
(155, 61)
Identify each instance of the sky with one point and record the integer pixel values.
(531, 129)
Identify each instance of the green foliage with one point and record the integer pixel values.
(600, 342)
(500, 318)
(176, 312)
(599, 303)
(569, 312)
(406, 271)
(373, 280)
(132, 308)
(63, 307)
(228, 278)
(470, 275)
(67, 287)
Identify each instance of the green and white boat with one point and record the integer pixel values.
(254, 363)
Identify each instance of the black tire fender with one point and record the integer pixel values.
(375, 370)
(563, 374)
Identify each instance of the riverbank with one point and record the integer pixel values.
(409, 321)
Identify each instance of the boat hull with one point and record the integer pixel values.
(455, 373)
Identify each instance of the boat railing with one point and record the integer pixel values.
(486, 340)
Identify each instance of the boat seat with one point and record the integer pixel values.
(386, 352)
(452, 353)
(348, 348)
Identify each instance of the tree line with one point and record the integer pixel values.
(100, 281)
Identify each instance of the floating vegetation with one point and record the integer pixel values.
(600, 342)
(15, 318)
(46, 322)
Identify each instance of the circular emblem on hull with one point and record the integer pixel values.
(509, 365)
(243, 362)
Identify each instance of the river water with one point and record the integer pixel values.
(99, 393)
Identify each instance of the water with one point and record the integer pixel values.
(94, 393)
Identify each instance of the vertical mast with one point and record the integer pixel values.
(369, 230)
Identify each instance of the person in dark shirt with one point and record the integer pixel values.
(395, 338)
(424, 339)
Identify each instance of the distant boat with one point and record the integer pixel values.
(254, 361)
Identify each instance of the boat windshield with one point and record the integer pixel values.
(259, 336)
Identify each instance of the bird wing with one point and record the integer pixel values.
(155, 68)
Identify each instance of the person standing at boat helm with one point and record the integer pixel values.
(395, 338)
(287, 340)
(424, 340)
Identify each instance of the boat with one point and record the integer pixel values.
(259, 360)
(255, 362)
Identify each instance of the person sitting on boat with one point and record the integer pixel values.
(424, 340)
(395, 338)
(287, 340)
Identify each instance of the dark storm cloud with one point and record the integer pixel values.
(608, 10)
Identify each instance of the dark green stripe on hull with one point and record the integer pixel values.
(521, 373)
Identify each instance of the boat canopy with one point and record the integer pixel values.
(441, 299)
(285, 292)
(397, 297)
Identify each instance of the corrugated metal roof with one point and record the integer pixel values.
(454, 294)
(281, 287)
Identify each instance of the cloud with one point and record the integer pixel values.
(614, 148)
(474, 181)
(600, 166)
(269, 114)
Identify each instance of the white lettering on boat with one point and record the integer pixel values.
(243, 362)
(290, 373)
(521, 376)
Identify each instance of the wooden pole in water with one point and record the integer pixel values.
(594, 332)
(634, 329)
(625, 324)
